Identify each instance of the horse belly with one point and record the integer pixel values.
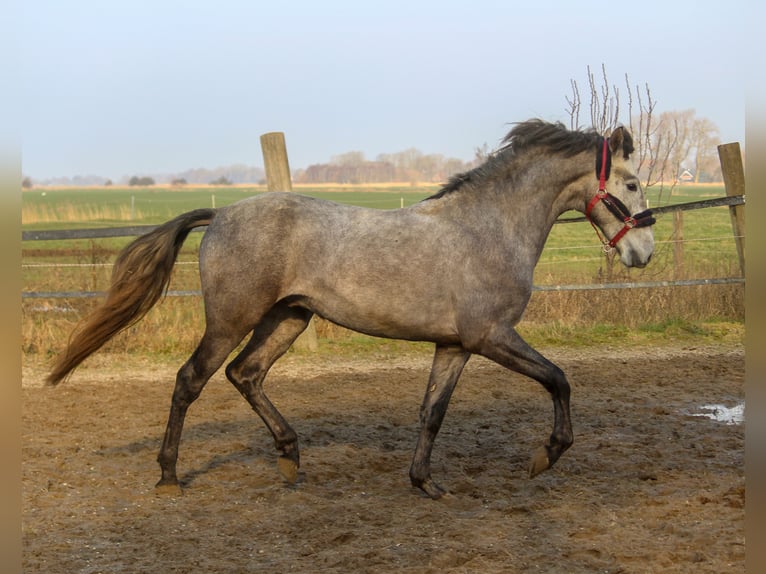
(381, 298)
(386, 317)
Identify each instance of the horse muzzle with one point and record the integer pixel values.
(637, 248)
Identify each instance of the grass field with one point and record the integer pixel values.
(572, 256)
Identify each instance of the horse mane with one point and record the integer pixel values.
(535, 133)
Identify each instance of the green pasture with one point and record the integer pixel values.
(75, 207)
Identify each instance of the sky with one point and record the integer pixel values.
(149, 87)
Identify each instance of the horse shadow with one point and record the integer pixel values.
(245, 441)
(385, 434)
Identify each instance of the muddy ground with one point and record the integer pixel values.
(649, 485)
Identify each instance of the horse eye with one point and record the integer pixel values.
(632, 187)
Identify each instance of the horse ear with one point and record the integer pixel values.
(620, 139)
(615, 140)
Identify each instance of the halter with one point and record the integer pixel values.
(615, 206)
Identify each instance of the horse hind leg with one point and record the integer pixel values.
(271, 338)
(190, 380)
(447, 366)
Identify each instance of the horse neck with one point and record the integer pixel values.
(524, 202)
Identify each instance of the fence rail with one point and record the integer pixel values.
(730, 201)
(588, 287)
(92, 233)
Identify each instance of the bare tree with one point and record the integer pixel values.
(348, 158)
(660, 163)
(574, 103)
(640, 122)
(604, 103)
(664, 144)
(604, 108)
(705, 140)
(680, 140)
(652, 148)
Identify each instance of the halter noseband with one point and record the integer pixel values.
(615, 206)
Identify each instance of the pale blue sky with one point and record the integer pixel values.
(145, 87)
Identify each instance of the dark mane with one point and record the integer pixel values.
(554, 137)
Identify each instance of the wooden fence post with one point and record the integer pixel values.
(678, 246)
(734, 180)
(275, 162)
(278, 179)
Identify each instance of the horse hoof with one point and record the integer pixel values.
(433, 490)
(288, 469)
(168, 489)
(539, 462)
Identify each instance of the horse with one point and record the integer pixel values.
(454, 269)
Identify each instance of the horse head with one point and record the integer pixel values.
(619, 207)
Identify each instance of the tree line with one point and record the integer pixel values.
(410, 166)
(668, 145)
(223, 175)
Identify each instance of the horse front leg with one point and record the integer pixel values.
(507, 348)
(447, 366)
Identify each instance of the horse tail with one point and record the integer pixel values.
(140, 276)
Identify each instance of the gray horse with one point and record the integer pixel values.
(455, 269)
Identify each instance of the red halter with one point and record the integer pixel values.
(618, 209)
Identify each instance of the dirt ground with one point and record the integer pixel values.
(648, 486)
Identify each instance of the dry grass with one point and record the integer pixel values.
(59, 212)
(174, 326)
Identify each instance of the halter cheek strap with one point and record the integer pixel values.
(615, 206)
(603, 165)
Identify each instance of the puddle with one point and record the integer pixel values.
(728, 415)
